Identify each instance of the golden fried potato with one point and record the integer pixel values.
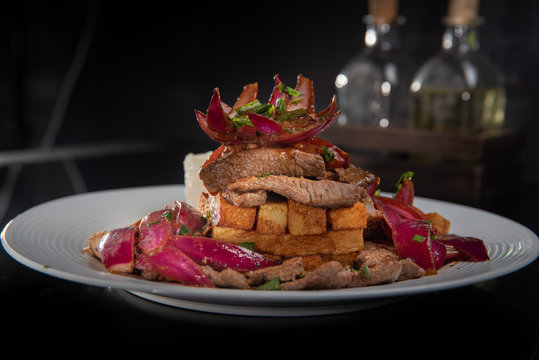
(306, 220)
(225, 213)
(352, 217)
(272, 217)
(331, 243)
(440, 224)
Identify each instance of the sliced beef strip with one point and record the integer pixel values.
(321, 193)
(287, 271)
(355, 175)
(380, 263)
(227, 278)
(329, 275)
(237, 164)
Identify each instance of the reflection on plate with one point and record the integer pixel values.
(50, 237)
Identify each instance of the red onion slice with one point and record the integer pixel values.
(265, 125)
(116, 249)
(216, 118)
(174, 265)
(469, 248)
(412, 239)
(220, 255)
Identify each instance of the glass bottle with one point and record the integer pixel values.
(460, 89)
(372, 87)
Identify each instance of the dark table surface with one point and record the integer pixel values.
(496, 319)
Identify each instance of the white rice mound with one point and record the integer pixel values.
(193, 185)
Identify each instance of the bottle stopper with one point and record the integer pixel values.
(383, 11)
(462, 12)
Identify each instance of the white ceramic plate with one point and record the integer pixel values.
(50, 238)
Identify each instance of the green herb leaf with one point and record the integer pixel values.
(274, 284)
(248, 245)
(266, 110)
(167, 215)
(365, 271)
(288, 90)
(327, 154)
(249, 107)
(418, 238)
(241, 120)
(154, 222)
(280, 105)
(184, 230)
(406, 175)
(294, 114)
(265, 175)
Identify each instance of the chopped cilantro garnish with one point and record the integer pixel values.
(287, 89)
(154, 222)
(292, 115)
(249, 107)
(274, 284)
(184, 230)
(248, 245)
(365, 271)
(406, 175)
(167, 215)
(254, 107)
(280, 105)
(418, 238)
(327, 154)
(241, 120)
(266, 110)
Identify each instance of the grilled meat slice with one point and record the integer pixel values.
(321, 193)
(262, 161)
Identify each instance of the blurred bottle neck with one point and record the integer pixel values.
(381, 36)
(461, 38)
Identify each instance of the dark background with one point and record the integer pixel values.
(148, 65)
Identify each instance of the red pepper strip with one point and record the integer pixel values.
(406, 192)
(306, 101)
(216, 118)
(220, 255)
(277, 93)
(249, 94)
(405, 210)
(116, 249)
(174, 265)
(216, 154)
(338, 157)
(469, 248)
(412, 239)
(265, 125)
(371, 189)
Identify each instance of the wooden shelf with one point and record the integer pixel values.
(474, 169)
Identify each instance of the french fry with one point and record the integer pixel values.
(306, 220)
(440, 224)
(352, 217)
(272, 217)
(330, 243)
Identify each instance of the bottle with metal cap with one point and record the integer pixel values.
(460, 89)
(372, 87)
